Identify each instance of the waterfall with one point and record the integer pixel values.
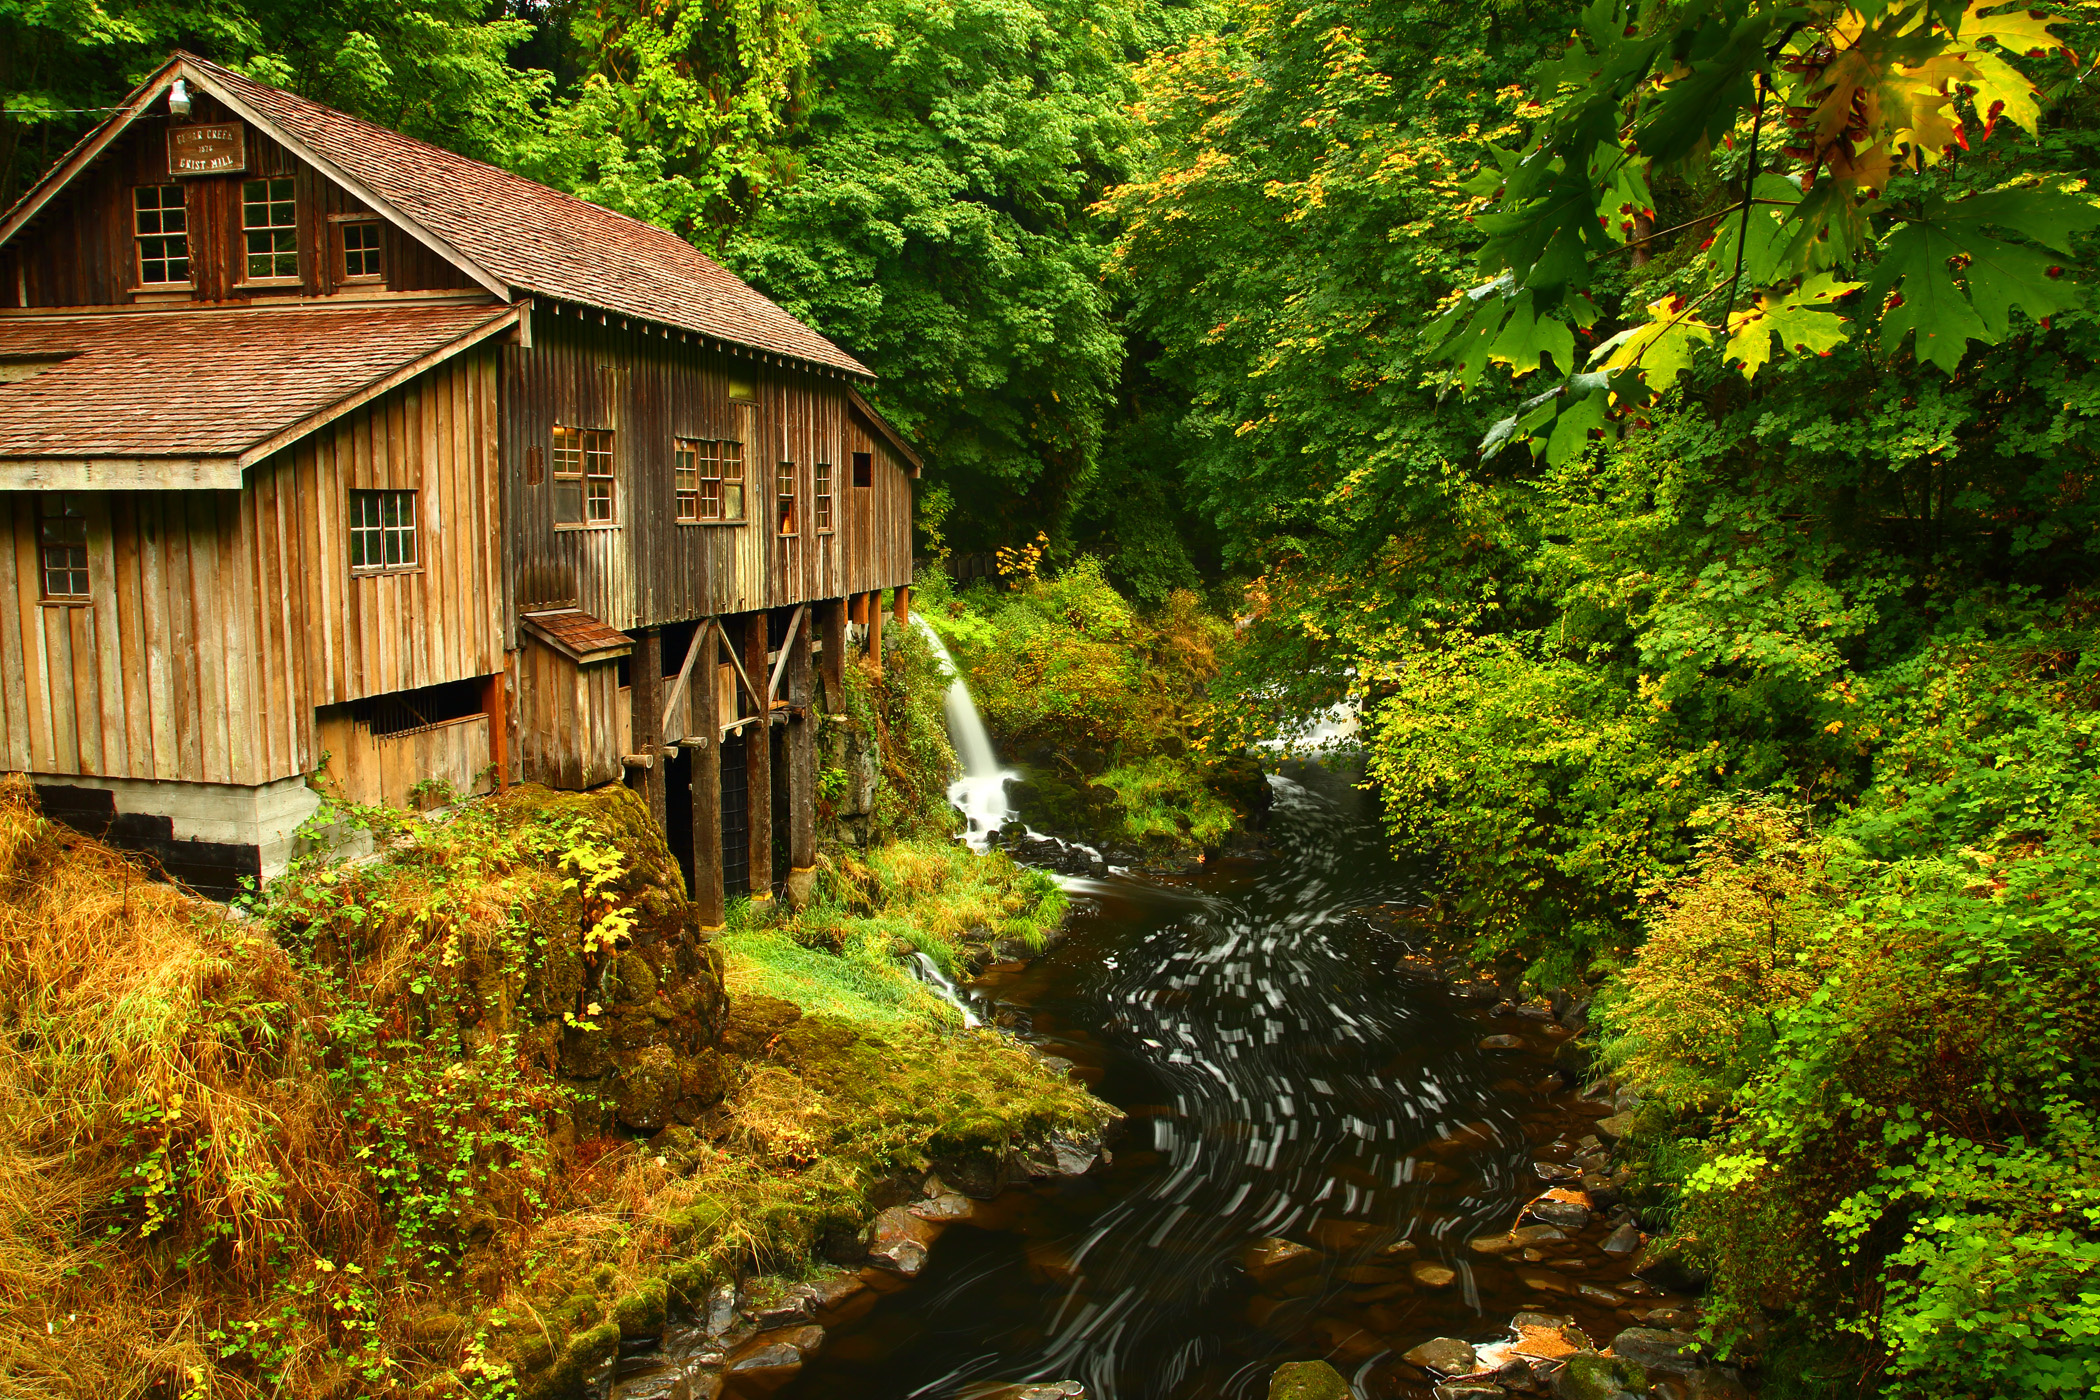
(929, 972)
(980, 792)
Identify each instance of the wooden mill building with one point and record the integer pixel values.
(322, 446)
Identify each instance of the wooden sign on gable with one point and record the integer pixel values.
(218, 149)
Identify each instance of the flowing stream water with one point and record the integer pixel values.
(1283, 1076)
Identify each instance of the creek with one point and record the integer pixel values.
(1286, 1073)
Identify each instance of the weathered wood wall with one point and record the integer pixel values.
(648, 569)
(569, 719)
(80, 249)
(386, 768)
(219, 620)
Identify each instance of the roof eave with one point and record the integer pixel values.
(85, 150)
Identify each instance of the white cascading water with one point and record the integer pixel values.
(930, 973)
(980, 792)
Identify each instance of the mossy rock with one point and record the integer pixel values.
(1588, 1376)
(642, 1312)
(565, 1377)
(1308, 1380)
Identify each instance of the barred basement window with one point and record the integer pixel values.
(382, 530)
(784, 496)
(61, 528)
(583, 476)
(823, 498)
(270, 229)
(161, 224)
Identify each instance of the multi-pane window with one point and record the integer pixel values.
(270, 228)
(160, 222)
(382, 530)
(784, 498)
(61, 528)
(822, 497)
(709, 480)
(583, 476)
(361, 250)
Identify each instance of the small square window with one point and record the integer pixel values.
(822, 498)
(160, 223)
(382, 530)
(583, 476)
(863, 469)
(742, 388)
(784, 496)
(62, 542)
(361, 251)
(270, 229)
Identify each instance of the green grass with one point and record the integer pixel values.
(1159, 794)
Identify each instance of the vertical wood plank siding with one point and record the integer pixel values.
(648, 569)
(221, 619)
(81, 252)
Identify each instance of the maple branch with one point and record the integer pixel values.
(1742, 237)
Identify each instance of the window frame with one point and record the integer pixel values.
(343, 250)
(140, 237)
(71, 509)
(269, 202)
(823, 514)
(378, 529)
(593, 447)
(716, 463)
(787, 505)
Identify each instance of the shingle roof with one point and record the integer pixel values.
(210, 384)
(537, 239)
(579, 634)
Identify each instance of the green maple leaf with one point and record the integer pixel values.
(2004, 275)
(1661, 349)
(1934, 307)
(1526, 337)
(2048, 217)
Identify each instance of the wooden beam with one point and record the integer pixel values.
(781, 664)
(646, 679)
(750, 690)
(875, 633)
(496, 705)
(833, 612)
(711, 904)
(901, 605)
(801, 753)
(685, 674)
(758, 766)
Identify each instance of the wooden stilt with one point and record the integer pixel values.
(857, 606)
(875, 632)
(758, 762)
(832, 611)
(495, 703)
(705, 745)
(901, 603)
(801, 754)
(646, 677)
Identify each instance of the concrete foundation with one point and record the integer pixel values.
(206, 835)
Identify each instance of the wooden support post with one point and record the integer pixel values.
(857, 606)
(901, 603)
(758, 763)
(875, 632)
(646, 677)
(802, 766)
(495, 703)
(705, 745)
(833, 612)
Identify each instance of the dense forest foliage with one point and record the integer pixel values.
(1674, 424)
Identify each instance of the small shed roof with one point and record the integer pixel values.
(165, 399)
(577, 635)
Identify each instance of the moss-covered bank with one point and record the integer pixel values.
(457, 1119)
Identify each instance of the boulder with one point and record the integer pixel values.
(1502, 1042)
(1432, 1275)
(1447, 1356)
(1272, 1260)
(1716, 1383)
(1308, 1380)
(898, 1241)
(1622, 1241)
(1038, 1390)
(1658, 1263)
(1654, 1349)
(1619, 1125)
(1588, 1376)
(768, 1366)
(949, 1205)
(1468, 1390)
(1567, 1215)
(1602, 1297)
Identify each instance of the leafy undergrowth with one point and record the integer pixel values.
(1106, 700)
(336, 1149)
(844, 954)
